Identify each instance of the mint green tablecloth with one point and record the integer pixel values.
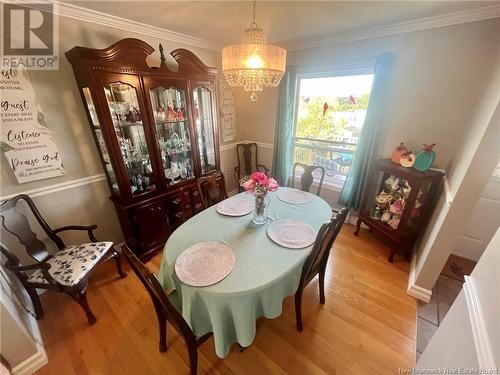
(264, 273)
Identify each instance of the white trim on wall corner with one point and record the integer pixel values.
(229, 146)
(442, 20)
(49, 189)
(413, 289)
(108, 20)
(482, 341)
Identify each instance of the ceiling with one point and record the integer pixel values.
(283, 21)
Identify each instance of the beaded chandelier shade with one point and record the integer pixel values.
(253, 64)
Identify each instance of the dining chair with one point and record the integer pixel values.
(67, 271)
(317, 261)
(247, 157)
(306, 179)
(167, 309)
(212, 189)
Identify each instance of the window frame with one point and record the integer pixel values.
(363, 68)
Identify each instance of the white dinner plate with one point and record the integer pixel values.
(204, 263)
(294, 196)
(293, 234)
(235, 207)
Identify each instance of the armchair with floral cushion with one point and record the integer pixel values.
(67, 271)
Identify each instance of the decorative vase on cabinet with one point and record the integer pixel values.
(396, 204)
(156, 132)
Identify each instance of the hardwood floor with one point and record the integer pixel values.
(366, 327)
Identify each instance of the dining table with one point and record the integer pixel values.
(264, 272)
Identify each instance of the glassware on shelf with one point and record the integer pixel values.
(205, 127)
(124, 108)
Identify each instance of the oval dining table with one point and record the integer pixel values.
(263, 275)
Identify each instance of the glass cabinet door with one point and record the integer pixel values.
(172, 132)
(204, 122)
(96, 126)
(128, 124)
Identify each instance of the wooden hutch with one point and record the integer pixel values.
(397, 201)
(156, 132)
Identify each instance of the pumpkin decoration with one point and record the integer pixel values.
(425, 158)
(398, 152)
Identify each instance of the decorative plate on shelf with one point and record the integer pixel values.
(294, 196)
(204, 263)
(293, 234)
(235, 207)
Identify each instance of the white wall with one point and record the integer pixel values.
(481, 224)
(469, 336)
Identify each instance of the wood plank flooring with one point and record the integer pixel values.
(366, 327)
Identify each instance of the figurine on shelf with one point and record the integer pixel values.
(425, 158)
(397, 207)
(394, 222)
(398, 152)
(139, 182)
(180, 113)
(376, 213)
(133, 115)
(383, 199)
(171, 115)
(386, 216)
(146, 182)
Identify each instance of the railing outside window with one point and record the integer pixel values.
(334, 155)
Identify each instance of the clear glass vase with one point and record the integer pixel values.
(260, 212)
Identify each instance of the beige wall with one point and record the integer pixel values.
(59, 98)
(438, 76)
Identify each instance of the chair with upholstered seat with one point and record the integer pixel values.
(167, 309)
(307, 178)
(66, 271)
(317, 261)
(212, 189)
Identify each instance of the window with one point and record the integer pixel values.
(331, 111)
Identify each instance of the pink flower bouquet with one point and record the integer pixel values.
(258, 184)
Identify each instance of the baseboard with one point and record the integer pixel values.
(32, 364)
(413, 289)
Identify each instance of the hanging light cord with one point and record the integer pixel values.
(254, 24)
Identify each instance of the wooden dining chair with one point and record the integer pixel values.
(317, 261)
(306, 179)
(167, 309)
(68, 271)
(247, 157)
(212, 189)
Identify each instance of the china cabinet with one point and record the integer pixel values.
(396, 203)
(156, 132)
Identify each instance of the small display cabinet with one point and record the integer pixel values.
(156, 133)
(396, 203)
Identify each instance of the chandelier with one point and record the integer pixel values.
(253, 64)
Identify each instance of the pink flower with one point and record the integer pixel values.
(259, 178)
(272, 185)
(248, 185)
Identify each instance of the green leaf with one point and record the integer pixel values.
(4, 147)
(41, 119)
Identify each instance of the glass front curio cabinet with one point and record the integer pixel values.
(397, 201)
(156, 132)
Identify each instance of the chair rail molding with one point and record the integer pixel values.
(415, 290)
(49, 189)
(442, 20)
(482, 342)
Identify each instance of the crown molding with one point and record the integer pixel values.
(108, 20)
(448, 19)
